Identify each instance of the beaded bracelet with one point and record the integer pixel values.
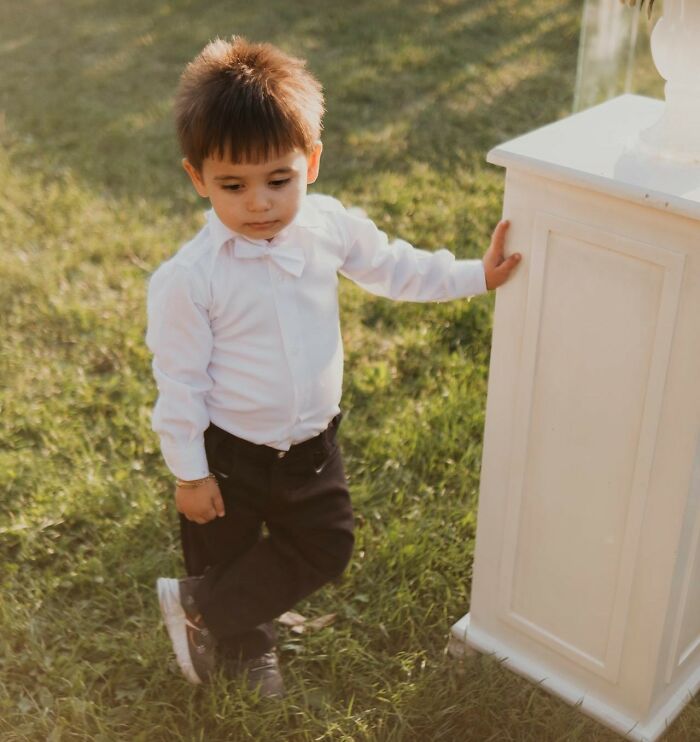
(191, 484)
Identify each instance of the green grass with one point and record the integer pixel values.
(92, 199)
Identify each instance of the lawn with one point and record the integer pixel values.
(92, 199)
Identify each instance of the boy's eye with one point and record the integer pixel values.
(233, 187)
(279, 183)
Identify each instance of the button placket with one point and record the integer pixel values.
(288, 318)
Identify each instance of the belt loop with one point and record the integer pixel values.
(330, 432)
(336, 422)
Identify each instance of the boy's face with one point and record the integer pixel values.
(256, 200)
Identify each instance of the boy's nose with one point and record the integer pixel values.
(258, 202)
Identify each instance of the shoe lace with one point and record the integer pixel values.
(198, 629)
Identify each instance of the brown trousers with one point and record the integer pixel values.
(250, 577)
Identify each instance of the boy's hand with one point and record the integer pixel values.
(200, 504)
(497, 268)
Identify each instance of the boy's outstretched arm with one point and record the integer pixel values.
(399, 271)
(497, 269)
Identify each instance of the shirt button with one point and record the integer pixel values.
(281, 454)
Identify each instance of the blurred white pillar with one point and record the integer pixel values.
(587, 562)
(606, 52)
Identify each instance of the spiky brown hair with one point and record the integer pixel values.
(247, 102)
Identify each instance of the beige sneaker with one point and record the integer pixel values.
(194, 645)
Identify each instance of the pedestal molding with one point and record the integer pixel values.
(647, 731)
(674, 660)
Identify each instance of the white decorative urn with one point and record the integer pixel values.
(675, 47)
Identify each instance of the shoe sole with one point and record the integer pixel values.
(175, 622)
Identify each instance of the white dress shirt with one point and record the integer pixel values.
(244, 342)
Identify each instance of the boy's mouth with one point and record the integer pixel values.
(262, 225)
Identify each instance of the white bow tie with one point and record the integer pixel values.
(287, 257)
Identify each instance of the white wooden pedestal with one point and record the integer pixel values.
(587, 563)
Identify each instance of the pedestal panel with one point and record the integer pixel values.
(587, 410)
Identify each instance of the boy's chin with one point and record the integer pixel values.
(265, 231)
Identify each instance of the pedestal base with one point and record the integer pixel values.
(464, 637)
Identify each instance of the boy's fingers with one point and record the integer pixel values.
(494, 255)
(218, 503)
(204, 518)
(499, 235)
(503, 270)
(509, 263)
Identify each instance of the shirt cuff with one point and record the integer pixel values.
(188, 461)
(467, 278)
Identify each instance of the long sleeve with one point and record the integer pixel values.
(179, 336)
(397, 270)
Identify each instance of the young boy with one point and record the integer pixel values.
(248, 359)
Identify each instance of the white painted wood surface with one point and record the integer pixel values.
(587, 562)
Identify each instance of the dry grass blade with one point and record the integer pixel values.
(298, 624)
(321, 622)
(291, 618)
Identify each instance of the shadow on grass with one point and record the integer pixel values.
(91, 83)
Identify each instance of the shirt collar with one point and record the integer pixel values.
(306, 217)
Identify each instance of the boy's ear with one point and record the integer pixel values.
(314, 163)
(195, 177)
